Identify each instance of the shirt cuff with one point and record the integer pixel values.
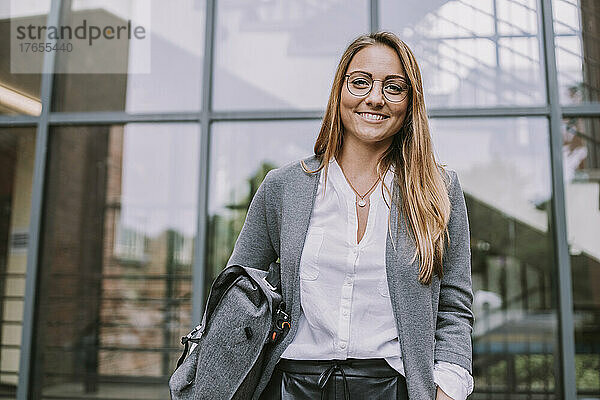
(453, 379)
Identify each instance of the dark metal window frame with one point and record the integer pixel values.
(552, 111)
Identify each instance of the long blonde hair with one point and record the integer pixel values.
(423, 184)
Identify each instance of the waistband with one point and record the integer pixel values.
(370, 367)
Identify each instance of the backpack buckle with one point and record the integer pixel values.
(190, 336)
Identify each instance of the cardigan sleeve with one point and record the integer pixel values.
(455, 316)
(254, 247)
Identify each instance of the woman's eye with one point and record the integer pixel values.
(360, 82)
(395, 88)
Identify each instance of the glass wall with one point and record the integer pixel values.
(577, 30)
(20, 93)
(236, 174)
(472, 53)
(17, 151)
(138, 209)
(581, 161)
(504, 168)
(289, 34)
(175, 31)
(117, 249)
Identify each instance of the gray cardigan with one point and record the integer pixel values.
(434, 322)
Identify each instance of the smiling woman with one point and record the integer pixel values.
(362, 229)
(375, 75)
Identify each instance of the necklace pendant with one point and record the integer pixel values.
(361, 203)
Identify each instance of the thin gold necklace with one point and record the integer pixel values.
(362, 202)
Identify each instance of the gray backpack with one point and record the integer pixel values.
(243, 318)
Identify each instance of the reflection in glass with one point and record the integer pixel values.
(174, 81)
(17, 151)
(472, 53)
(241, 156)
(20, 93)
(577, 41)
(272, 55)
(115, 266)
(581, 161)
(504, 169)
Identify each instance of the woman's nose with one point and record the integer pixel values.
(375, 96)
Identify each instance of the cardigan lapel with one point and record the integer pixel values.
(298, 203)
(412, 306)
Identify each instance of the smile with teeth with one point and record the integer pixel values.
(373, 117)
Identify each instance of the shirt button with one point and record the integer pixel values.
(345, 313)
(343, 345)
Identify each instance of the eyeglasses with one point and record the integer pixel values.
(359, 84)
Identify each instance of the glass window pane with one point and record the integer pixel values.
(504, 169)
(173, 83)
(116, 262)
(581, 161)
(577, 33)
(241, 156)
(17, 153)
(20, 92)
(272, 55)
(472, 53)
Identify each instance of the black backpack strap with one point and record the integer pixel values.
(220, 286)
(273, 277)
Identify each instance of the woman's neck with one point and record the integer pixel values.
(359, 161)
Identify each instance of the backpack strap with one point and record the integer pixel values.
(273, 277)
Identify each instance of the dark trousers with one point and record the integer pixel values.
(352, 379)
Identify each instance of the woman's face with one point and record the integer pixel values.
(357, 112)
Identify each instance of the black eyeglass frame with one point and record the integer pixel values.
(347, 76)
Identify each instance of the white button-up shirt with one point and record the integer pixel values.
(344, 296)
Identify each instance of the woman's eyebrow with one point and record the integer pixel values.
(371, 75)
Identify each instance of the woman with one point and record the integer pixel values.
(373, 239)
